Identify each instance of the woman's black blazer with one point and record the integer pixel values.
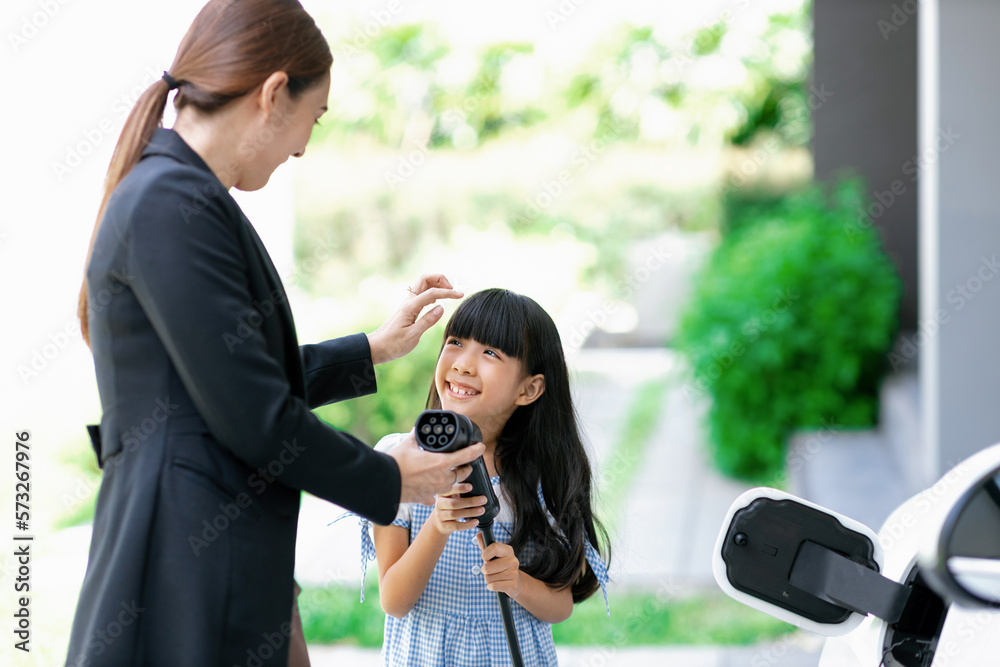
(206, 437)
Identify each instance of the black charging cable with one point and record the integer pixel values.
(505, 613)
(446, 431)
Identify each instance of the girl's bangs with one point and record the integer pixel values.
(496, 318)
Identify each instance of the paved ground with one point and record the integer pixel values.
(794, 652)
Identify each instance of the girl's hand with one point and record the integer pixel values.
(451, 507)
(502, 569)
(399, 334)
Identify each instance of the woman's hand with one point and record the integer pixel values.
(399, 334)
(502, 569)
(424, 474)
(450, 507)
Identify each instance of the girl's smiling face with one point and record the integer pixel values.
(483, 383)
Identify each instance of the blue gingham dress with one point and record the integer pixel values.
(456, 621)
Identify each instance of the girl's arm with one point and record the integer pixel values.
(403, 568)
(502, 573)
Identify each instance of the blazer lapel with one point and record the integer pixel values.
(273, 287)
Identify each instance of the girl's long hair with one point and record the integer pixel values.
(228, 52)
(540, 444)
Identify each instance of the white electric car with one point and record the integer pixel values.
(924, 592)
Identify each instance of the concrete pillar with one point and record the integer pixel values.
(959, 228)
(864, 100)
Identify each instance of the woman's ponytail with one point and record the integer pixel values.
(145, 117)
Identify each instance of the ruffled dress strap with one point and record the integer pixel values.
(600, 570)
(592, 555)
(367, 545)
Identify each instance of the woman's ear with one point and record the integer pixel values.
(270, 91)
(532, 387)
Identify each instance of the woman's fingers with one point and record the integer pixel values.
(458, 489)
(421, 300)
(399, 334)
(430, 318)
(462, 459)
(429, 280)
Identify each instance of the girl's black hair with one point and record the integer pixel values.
(542, 436)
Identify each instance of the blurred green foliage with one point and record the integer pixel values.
(389, 236)
(724, 82)
(333, 615)
(80, 500)
(789, 324)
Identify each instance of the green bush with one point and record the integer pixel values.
(333, 615)
(789, 324)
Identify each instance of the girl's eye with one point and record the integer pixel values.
(493, 353)
(454, 341)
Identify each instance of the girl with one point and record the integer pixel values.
(502, 365)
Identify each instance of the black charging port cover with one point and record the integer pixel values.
(763, 541)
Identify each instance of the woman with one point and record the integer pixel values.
(207, 437)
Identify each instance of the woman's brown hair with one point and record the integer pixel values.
(228, 52)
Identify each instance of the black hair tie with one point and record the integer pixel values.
(171, 81)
